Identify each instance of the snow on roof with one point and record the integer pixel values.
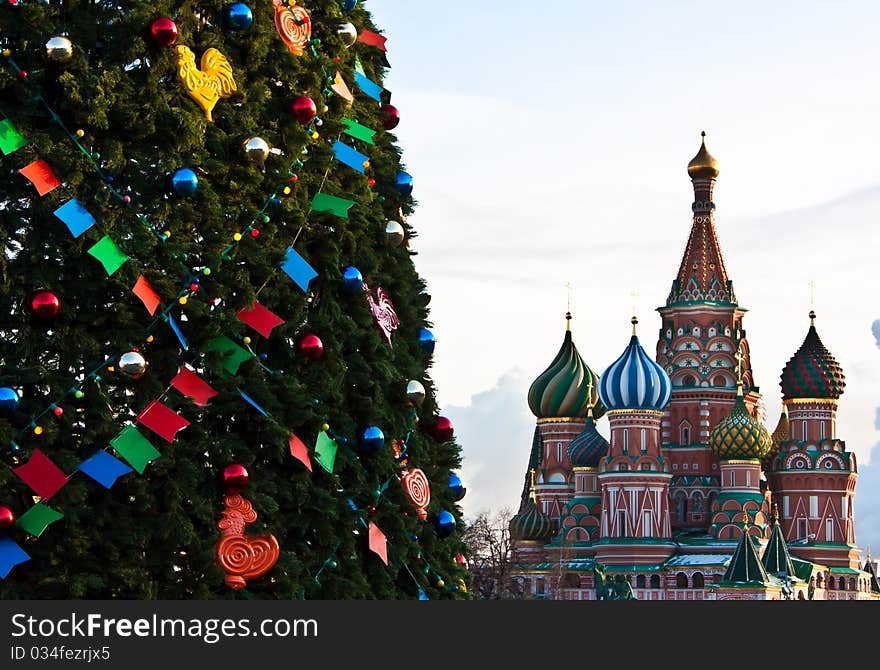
(698, 559)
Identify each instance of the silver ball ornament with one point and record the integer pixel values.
(394, 233)
(132, 364)
(347, 33)
(256, 149)
(415, 392)
(59, 49)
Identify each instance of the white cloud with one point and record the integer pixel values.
(495, 429)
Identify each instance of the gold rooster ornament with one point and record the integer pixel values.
(209, 82)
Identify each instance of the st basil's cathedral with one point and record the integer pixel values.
(692, 498)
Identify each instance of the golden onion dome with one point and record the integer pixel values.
(703, 165)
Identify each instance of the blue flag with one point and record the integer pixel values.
(104, 469)
(75, 217)
(352, 158)
(296, 267)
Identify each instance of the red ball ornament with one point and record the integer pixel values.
(58, 411)
(7, 518)
(304, 109)
(311, 347)
(45, 305)
(22, 74)
(164, 31)
(255, 233)
(442, 430)
(235, 478)
(390, 117)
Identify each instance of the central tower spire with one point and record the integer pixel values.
(702, 276)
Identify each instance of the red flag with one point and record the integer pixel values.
(298, 451)
(41, 176)
(378, 543)
(373, 39)
(42, 475)
(148, 296)
(192, 386)
(162, 420)
(260, 319)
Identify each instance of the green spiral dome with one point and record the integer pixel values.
(565, 388)
(531, 524)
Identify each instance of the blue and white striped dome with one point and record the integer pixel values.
(635, 381)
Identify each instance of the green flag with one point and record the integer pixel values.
(134, 448)
(325, 451)
(233, 355)
(10, 139)
(359, 132)
(330, 203)
(37, 519)
(106, 251)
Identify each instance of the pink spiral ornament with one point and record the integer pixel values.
(418, 490)
(294, 25)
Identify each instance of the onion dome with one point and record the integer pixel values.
(812, 372)
(531, 524)
(780, 434)
(566, 387)
(586, 449)
(703, 165)
(635, 381)
(739, 435)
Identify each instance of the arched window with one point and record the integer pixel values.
(681, 580)
(831, 584)
(644, 439)
(852, 583)
(640, 582)
(685, 436)
(655, 581)
(680, 507)
(698, 580)
(559, 452)
(720, 381)
(804, 430)
(688, 380)
(697, 503)
(625, 440)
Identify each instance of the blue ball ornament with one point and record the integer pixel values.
(352, 280)
(426, 340)
(184, 182)
(404, 183)
(9, 400)
(348, 5)
(238, 16)
(456, 488)
(372, 440)
(444, 524)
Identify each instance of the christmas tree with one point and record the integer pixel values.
(209, 311)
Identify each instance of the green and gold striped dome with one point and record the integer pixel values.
(567, 386)
(740, 436)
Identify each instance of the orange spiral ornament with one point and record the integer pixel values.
(418, 490)
(243, 557)
(293, 24)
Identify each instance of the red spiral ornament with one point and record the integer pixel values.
(418, 490)
(294, 26)
(241, 556)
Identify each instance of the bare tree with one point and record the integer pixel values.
(490, 556)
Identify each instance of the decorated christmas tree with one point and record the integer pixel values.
(214, 343)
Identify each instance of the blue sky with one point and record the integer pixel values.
(548, 144)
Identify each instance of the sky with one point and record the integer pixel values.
(548, 144)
